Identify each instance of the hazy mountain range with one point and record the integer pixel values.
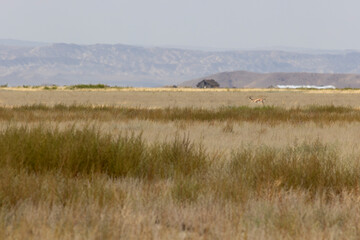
(31, 63)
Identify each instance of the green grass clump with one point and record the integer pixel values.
(83, 152)
(87, 86)
(54, 87)
(180, 158)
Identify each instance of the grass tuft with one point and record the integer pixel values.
(86, 151)
(308, 166)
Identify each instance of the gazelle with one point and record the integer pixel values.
(257, 100)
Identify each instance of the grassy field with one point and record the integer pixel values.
(177, 97)
(179, 164)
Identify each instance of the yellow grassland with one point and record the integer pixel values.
(52, 205)
(178, 97)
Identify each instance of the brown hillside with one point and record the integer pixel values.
(243, 79)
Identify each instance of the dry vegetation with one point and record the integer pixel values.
(173, 165)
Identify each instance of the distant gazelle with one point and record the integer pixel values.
(257, 100)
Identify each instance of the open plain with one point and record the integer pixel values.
(184, 163)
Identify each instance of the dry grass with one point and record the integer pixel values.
(86, 151)
(264, 114)
(103, 87)
(65, 185)
(161, 98)
(151, 169)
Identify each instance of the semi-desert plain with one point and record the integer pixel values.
(179, 163)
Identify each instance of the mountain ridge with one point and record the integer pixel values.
(127, 65)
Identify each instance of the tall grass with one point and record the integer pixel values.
(266, 114)
(86, 151)
(78, 179)
(309, 166)
(313, 168)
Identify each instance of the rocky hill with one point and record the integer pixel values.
(124, 65)
(243, 79)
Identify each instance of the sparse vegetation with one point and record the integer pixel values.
(72, 171)
(69, 168)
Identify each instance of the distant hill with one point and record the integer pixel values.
(243, 79)
(20, 43)
(31, 63)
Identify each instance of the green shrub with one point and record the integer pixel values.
(54, 87)
(85, 86)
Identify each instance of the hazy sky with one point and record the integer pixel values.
(241, 24)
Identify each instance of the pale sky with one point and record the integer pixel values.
(233, 24)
